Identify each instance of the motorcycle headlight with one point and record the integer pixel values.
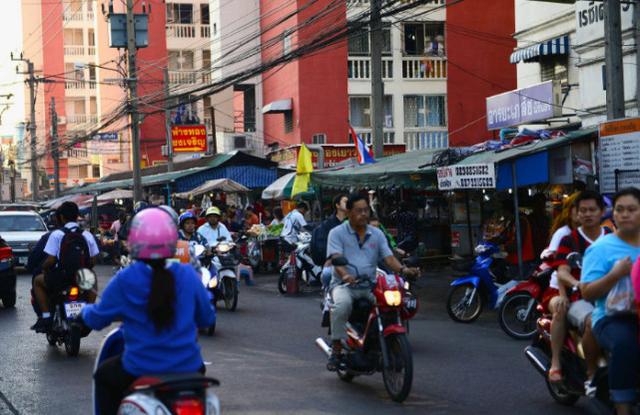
(224, 248)
(213, 282)
(393, 298)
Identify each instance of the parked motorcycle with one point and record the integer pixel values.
(188, 393)
(65, 306)
(470, 294)
(377, 339)
(299, 268)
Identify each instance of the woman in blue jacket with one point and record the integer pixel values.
(161, 307)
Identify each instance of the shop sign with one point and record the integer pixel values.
(189, 138)
(333, 154)
(590, 20)
(619, 148)
(522, 106)
(467, 176)
(106, 136)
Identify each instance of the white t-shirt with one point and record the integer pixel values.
(553, 246)
(293, 223)
(53, 243)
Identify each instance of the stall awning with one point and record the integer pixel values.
(556, 46)
(281, 105)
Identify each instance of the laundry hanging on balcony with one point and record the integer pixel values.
(556, 46)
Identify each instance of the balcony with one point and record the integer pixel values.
(90, 16)
(181, 30)
(80, 85)
(360, 68)
(366, 135)
(420, 139)
(205, 31)
(74, 50)
(366, 3)
(91, 50)
(183, 77)
(72, 16)
(75, 153)
(424, 68)
(82, 118)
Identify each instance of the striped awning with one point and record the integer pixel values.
(557, 46)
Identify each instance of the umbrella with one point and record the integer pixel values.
(220, 185)
(281, 188)
(116, 194)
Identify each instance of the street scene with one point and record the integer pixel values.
(319, 207)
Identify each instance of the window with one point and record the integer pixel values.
(206, 58)
(360, 111)
(286, 42)
(73, 37)
(204, 14)
(179, 13)
(92, 73)
(554, 68)
(215, 29)
(424, 111)
(181, 60)
(95, 171)
(288, 121)
(93, 105)
(92, 37)
(359, 42)
(73, 72)
(21, 223)
(424, 39)
(319, 138)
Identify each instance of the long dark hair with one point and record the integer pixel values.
(161, 306)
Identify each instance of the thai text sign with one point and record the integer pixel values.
(534, 103)
(619, 149)
(467, 176)
(189, 138)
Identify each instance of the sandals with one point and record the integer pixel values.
(555, 375)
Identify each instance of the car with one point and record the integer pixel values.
(21, 230)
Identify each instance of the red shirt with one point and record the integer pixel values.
(576, 241)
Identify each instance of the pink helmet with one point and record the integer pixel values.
(153, 235)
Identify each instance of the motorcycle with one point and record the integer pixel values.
(299, 267)
(65, 306)
(188, 393)
(224, 283)
(470, 294)
(376, 337)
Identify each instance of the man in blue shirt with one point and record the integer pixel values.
(214, 229)
(607, 265)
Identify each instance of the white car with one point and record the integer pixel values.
(22, 230)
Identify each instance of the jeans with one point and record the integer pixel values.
(326, 276)
(343, 297)
(619, 336)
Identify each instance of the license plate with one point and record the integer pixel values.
(73, 309)
(22, 260)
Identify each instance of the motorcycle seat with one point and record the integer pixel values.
(173, 381)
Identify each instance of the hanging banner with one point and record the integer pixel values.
(521, 106)
(467, 176)
(189, 138)
(619, 149)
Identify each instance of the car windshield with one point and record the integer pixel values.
(17, 223)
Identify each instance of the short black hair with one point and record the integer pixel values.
(302, 205)
(337, 199)
(354, 198)
(627, 191)
(69, 211)
(589, 195)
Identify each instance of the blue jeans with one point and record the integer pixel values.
(619, 336)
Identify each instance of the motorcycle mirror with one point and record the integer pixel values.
(86, 279)
(339, 261)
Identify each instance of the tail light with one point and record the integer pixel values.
(189, 406)
(6, 253)
(73, 293)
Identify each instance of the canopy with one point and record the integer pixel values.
(116, 194)
(77, 199)
(556, 46)
(220, 185)
(280, 189)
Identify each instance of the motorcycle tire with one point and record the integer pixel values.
(211, 330)
(345, 376)
(452, 305)
(72, 341)
(230, 294)
(9, 299)
(560, 396)
(51, 339)
(282, 282)
(512, 319)
(398, 376)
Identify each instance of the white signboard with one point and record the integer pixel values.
(467, 176)
(619, 150)
(590, 20)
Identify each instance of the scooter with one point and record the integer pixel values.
(153, 394)
(470, 294)
(224, 283)
(300, 267)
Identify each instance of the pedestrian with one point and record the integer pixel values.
(407, 221)
(250, 218)
(278, 216)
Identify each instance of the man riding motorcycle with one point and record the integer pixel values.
(213, 230)
(61, 263)
(364, 246)
(160, 306)
(187, 232)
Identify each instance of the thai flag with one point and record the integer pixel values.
(364, 153)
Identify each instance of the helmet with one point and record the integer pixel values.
(153, 235)
(139, 206)
(213, 210)
(186, 215)
(171, 212)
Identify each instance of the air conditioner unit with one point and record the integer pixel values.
(239, 142)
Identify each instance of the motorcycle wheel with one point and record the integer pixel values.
(282, 282)
(51, 339)
(9, 299)
(211, 330)
(561, 396)
(72, 341)
(456, 303)
(513, 319)
(230, 294)
(398, 376)
(345, 376)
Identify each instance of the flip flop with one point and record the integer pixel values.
(555, 375)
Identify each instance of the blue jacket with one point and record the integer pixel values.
(147, 350)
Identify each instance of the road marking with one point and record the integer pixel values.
(12, 409)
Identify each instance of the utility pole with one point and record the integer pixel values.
(167, 121)
(636, 29)
(613, 59)
(12, 176)
(133, 102)
(377, 87)
(214, 137)
(54, 149)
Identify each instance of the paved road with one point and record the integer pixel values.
(266, 360)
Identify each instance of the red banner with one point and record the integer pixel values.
(333, 154)
(189, 138)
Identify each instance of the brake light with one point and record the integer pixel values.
(188, 407)
(73, 293)
(6, 253)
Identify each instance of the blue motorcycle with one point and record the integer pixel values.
(469, 295)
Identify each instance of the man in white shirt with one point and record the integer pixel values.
(294, 222)
(214, 229)
(54, 278)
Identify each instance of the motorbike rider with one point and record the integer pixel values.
(568, 305)
(54, 277)
(187, 232)
(364, 246)
(161, 307)
(213, 230)
(605, 280)
(294, 222)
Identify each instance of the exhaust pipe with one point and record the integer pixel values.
(538, 359)
(322, 345)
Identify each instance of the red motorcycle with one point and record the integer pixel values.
(377, 335)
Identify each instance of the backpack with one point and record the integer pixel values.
(74, 251)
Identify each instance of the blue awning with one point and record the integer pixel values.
(253, 177)
(556, 46)
(531, 169)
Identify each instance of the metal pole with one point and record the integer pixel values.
(133, 102)
(636, 28)
(377, 87)
(469, 232)
(167, 121)
(54, 149)
(214, 136)
(516, 206)
(12, 175)
(613, 59)
(32, 130)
